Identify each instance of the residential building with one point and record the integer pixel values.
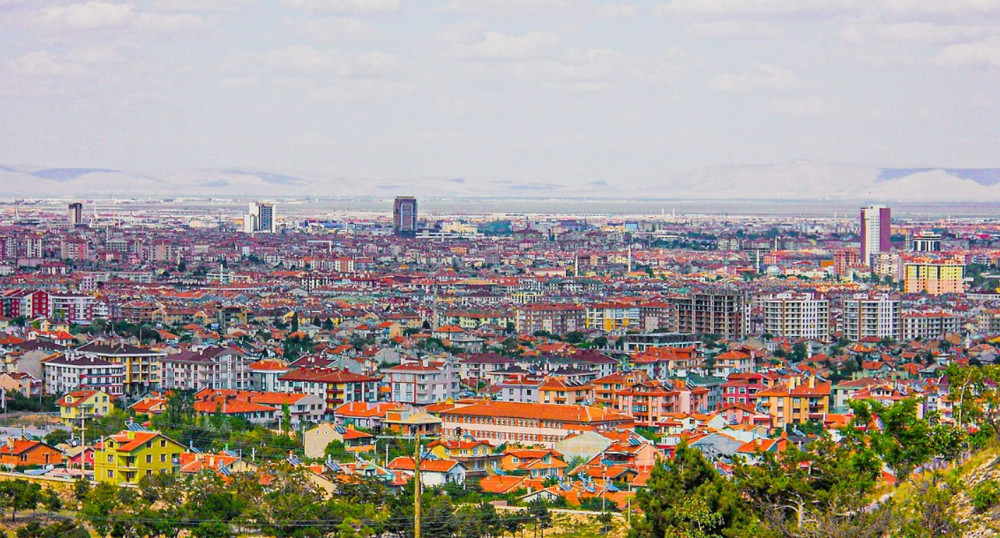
(433, 473)
(559, 390)
(876, 232)
(423, 382)
(128, 456)
(934, 277)
(213, 367)
(612, 317)
(316, 439)
(83, 404)
(333, 386)
(931, 325)
(28, 453)
(723, 313)
(142, 365)
(797, 315)
(64, 373)
(875, 315)
(795, 401)
(554, 318)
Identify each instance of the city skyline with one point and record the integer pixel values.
(556, 91)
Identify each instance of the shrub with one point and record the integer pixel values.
(985, 495)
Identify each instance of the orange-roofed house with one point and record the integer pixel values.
(126, 457)
(476, 456)
(24, 453)
(432, 472)
(796, 401)
(84, 403)
(317, 439)
(559, 390)
(536, 463)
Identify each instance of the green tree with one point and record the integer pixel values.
(685, 496)
(19, 495)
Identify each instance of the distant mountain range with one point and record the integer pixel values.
(795, 180)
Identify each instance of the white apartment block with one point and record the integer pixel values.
(797, 315)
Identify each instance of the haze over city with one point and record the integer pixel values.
(549, 95)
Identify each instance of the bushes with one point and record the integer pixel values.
(985, 495)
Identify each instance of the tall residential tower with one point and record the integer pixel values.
(261, 218)
(876, 232)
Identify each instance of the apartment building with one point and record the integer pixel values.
(551, 318)
(724, 313)
(930, 325)
(423, 382)
(213, 367)
(796, 401)
(875, 315)
(65, 373)
(612, 317)
(335, 387)
(142, 365)
(934, 278)
(797, 315)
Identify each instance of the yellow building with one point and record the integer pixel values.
(559, 390)
(796, 401)
(130, 455)
(84, 404)
(934, 278)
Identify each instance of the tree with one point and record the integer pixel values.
(686, 497)
(903, 441)
(19, 495)
(60, 529)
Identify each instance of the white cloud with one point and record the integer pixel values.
(106, 16)
(772, 8)
(802, 106)
(344, 6)
(764, 77)
(616, 11)
(308, 60)
(326, 29)
(949, 9)
(979, 54)
(44, 64)
(735, 29)
(364, 89)
(498, 45)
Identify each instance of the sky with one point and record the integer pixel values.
(518, 89)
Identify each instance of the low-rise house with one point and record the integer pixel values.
(536, 463)
(83, 404)
(25, 453)
(432, 472)
(316, 439)
(796, 401)
(478, 457)
(368, 415)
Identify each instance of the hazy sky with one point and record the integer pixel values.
(498, 88)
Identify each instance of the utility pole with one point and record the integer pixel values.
(416, 489)
(83, 441)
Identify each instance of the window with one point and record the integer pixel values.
(163, 458)
(163, 443)
(111, 473)
(111, 458)
(149, 458)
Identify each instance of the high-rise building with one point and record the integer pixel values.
(721, 312)
(260, 218)
(934, 277)
(876, 232)
(75, 214)
(797, 315)
(871, 315)
(404, 215)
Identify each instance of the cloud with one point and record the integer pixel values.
(326, 29)
(764, 78)
(309, 60)
(75, 63)
(950, 9)
(498, 45)
(106, 16)
(802, 106)
(740, 8)
(984, 53)
(344, 6)
(735, 30)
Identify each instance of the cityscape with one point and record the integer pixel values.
(531, 364)
(499, 269)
